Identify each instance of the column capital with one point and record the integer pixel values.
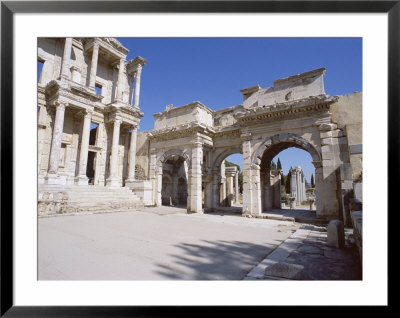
(88, 112)
(117, 121)
(60, 106)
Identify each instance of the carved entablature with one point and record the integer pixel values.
(128, 114)
(288, 110)
(116, 44)
(133, 65)
(109, 48)
(181, 131)
(73, 94)
(232, 133)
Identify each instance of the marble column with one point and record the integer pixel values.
(65, 72)
(120, 83)
(195, 180)
(230, 172)
(132, 156)
(52, 174)
(93, 66)
(214, 190)
(293, 183)
(247, 186)
(229, 191)
(237, 187)
(82, 179)
(113, 180)
(137, 86)
(132, 92)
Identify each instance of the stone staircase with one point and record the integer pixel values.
(70, 199)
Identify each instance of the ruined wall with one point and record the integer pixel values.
(347, 114)
(286, 89)
(191, 113)
(142, 155)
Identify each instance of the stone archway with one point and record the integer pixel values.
(172, 174)
(218, 186)
(262, 195)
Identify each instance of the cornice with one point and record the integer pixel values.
(286, 110)
(181, 131)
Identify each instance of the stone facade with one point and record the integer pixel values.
(88, 115)
(181, 161)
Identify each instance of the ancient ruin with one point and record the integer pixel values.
(91, 157)
(297, 185)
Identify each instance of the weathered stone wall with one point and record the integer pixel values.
(286, 89)
(142, 152)
(183, 115)
(347, 114)
(50, 52)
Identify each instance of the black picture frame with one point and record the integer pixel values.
(8, 8)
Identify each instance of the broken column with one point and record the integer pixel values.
(292, 201)
(297, 184)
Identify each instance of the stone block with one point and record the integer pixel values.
(335, 233)
(286, 270)
(331, 134)
(357, 186)
(325, 127)
(355, 149)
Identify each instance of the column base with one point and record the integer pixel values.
(81, 180)
(113, 182)
(130, 183)
(53, 178)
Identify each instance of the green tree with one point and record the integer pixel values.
(273, 165)
(279, 165)
(287, 181)
(312, 181)
(283, 182)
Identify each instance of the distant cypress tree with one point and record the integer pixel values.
(312, 181)
(279, 165)
(283, 180)
(273, 165)
(287, 181)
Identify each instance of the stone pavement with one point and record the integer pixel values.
(305, 256)
(155, 244)
(166, 243)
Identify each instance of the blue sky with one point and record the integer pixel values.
(213, 70)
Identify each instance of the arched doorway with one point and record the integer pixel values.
(269, 191)
(287, 184)
(173, 178)
(227, 176)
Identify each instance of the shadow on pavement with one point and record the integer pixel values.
(217, 260)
